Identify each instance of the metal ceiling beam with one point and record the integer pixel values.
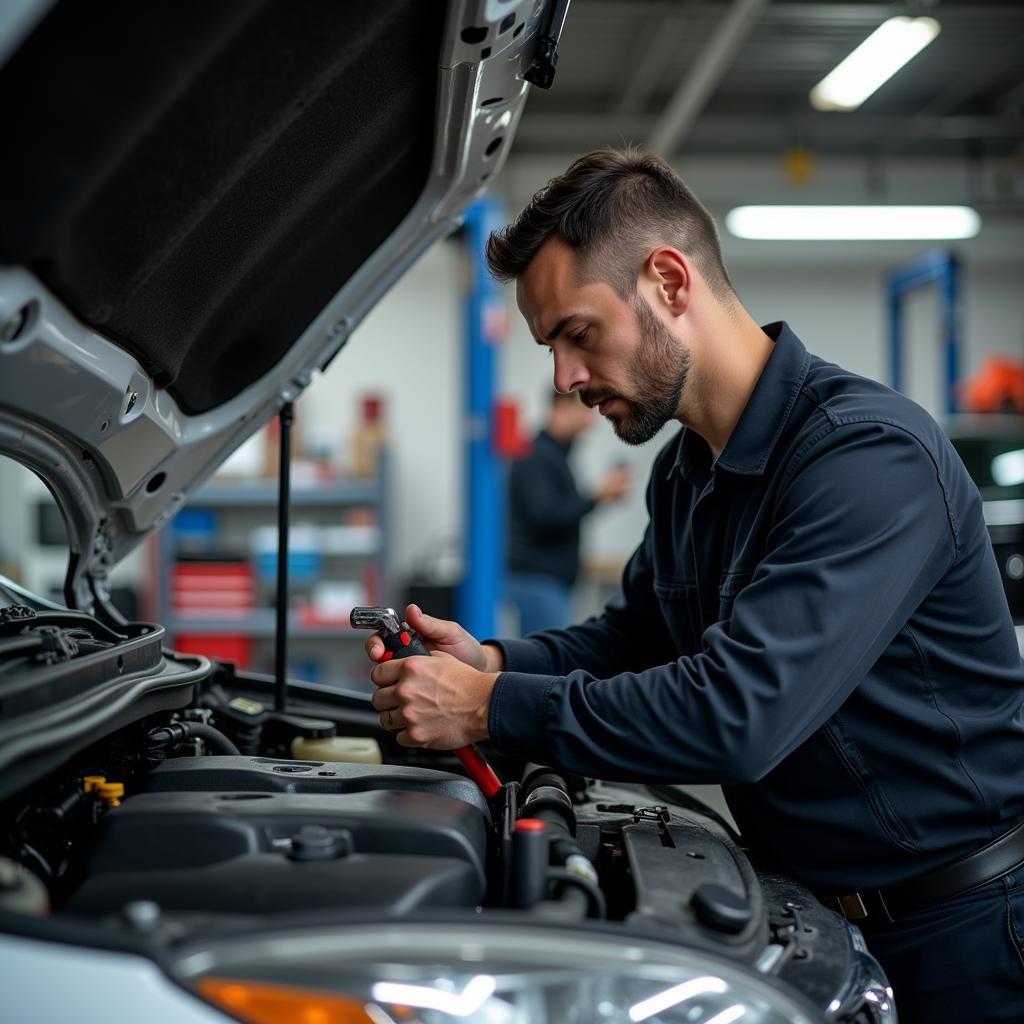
(967, 126)
(809, 13)
(873, 133)
(696, 88)
(838, 12)
(655, 56)
(983, 75)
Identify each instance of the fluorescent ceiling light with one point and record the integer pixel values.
(852, 223)
(874, 62)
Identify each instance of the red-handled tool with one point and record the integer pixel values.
(401, 641)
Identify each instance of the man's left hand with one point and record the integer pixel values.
(437, 702)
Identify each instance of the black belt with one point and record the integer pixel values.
(884, 906)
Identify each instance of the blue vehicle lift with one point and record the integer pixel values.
(483, 580)
(941, 267)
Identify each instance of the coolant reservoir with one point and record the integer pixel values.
(358, 749)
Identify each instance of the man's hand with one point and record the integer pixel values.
(437, 702)
(444, 637)
(614, 486)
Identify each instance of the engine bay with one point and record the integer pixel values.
(190, 812)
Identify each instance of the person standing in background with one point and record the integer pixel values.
(545, 509)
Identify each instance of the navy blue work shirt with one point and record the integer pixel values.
(815, 621)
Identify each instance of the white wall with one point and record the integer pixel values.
(408, 351)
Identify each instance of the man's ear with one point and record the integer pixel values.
(668, 270)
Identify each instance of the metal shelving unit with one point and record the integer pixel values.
(263, 492)
(246, 503)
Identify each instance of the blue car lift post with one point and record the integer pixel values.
(943, 268)
(484, 487)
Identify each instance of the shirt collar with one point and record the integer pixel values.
(764, 416)
(692, 455)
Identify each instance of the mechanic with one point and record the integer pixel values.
(814, 617)
(545, 509)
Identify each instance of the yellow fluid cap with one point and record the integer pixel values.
(92, 782)
(110, 793)
(353, 749)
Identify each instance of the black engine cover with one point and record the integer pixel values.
(231, 835)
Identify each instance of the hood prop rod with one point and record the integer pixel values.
(286, 418)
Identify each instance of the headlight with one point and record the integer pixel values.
(480, 973)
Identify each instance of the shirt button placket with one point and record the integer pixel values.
(701, 542)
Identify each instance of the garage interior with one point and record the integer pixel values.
(722, 89)
(401, 449)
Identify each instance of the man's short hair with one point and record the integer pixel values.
(613, 206)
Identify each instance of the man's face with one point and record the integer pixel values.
(617, 354)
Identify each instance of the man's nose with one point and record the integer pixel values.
(570, 373)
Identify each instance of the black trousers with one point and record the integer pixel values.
(961, 961)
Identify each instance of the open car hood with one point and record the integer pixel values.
(200, 202)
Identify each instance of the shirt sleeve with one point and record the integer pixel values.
(861, 533)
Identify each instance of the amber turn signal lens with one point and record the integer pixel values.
(280, 1004)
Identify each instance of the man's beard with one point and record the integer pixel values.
(656, 377)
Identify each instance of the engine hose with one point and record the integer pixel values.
(20, 645)
(546, 796)
(176, 733)
(248, 739)
(564, 876)
(572, 904)
(535, 775)
(213, 738)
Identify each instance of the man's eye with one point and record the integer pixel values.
(580, 336)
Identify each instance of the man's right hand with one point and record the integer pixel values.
(447, 637)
